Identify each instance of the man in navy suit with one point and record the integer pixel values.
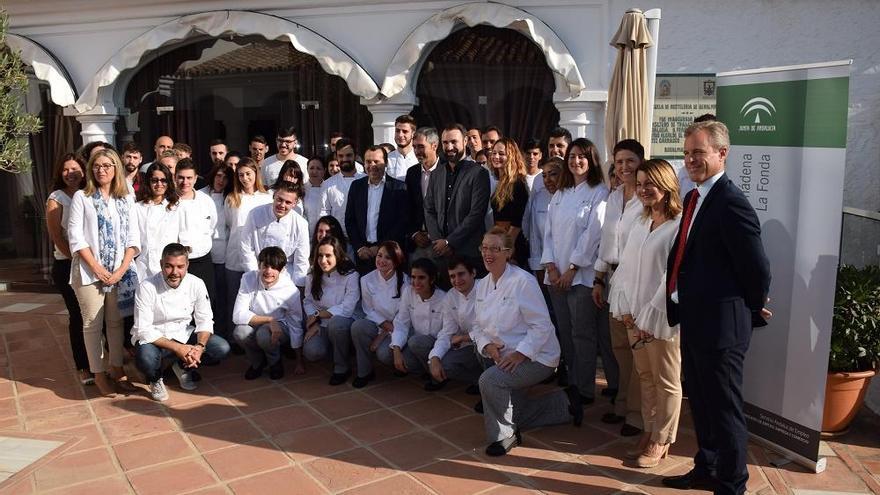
(376, 210)
(718, 278)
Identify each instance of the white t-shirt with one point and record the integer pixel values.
(272, 167)
(63, 200)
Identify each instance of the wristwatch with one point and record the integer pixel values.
(572, 266)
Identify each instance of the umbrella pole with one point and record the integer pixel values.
(653, 18)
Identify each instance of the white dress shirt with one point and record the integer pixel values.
(157, 226)
(312, 204)
(221, 231)
(235, 220)
(379, 297)
(199, 220)
(639, 284)
(82, 231)
(272, 167)
(573, 230)
(160, 311)
(534, 222)
(63, 200)
(398, 163)
(512, 314)
(426, 176)
(281, 301)
(334, 197)
(290, 232)
(458, 317)
(424, 317)
(339, 295)
(703, 189)
(619, 220)
(374, 201)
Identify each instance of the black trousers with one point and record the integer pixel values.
(61, 279)
(713, 384)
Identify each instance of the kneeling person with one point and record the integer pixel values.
(165, 303)
(268, 315)
(419, 319)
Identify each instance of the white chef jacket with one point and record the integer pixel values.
(340, 295)
(573, 230)
(535, 182)
(424, 317)
(160, 311)
(379, 297)
(534, 221)
(281, 302)
(334, 197)
(312, 204)
(512, 314)
(221, 231)
(290, 232)
(157, 226)
(398, 164)
(458, 317)
(235, 219)
(82, 231)
(199, 220)
(619, 220)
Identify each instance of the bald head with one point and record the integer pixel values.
(163, 144)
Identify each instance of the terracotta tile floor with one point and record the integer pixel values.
(302, 436)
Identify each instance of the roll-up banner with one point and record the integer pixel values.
(788, 150)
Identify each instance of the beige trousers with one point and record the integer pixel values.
(628, 402)
(98, 307)
(658, 365)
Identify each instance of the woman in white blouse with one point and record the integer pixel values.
(158, 219)
(247, 193)
(317, 171)
(104, 240)
(621, 213)
(513, 329)
(638, 299)
(268, 316)
(67, 179)
(418, 321)
(381, 291)
(331, 299)
(571, 244)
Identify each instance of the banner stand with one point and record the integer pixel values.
(814, 466)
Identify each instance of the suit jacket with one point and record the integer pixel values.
(416, 205)
(392, 212)
(463, 223)
(724, 276)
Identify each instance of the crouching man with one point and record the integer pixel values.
(165, 304)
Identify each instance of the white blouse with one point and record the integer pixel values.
(639, 284)
(534, 223)
(263, 229)
(235, 219)
(379, 297)
(619, 220)
(339, 295)
(221, 231)
(281, 302)
(423, 316)
(458, 317)
(512, 314)
(158, 226)
(82, 231)
(63, 200)
(573, 230)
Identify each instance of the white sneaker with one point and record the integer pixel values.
(184, 377)
(158, 391)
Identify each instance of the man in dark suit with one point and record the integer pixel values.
(376, 210)
(425, 143)
(718, 278)
(456, 202)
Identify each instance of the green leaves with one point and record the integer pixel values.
(15, 125)
(855, 329)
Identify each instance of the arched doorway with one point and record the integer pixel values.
(233, 89)
(484, 75)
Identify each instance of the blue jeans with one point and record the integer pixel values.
(149, 357)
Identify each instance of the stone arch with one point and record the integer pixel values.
(46, 67)
(404, 67)
(218, 23)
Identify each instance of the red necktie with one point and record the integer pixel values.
(682, 239)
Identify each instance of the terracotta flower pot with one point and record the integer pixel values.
(844, 394)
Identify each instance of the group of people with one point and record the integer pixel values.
(455, 255)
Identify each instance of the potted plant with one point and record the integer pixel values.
(855, 345)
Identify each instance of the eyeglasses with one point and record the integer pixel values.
(641, 343)
(103, 167)
(158, 180)
(493, 249)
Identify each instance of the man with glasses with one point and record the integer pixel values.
(287, 144)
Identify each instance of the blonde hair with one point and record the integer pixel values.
(118, 187)
(719, 137)
(502, 234)
(662, 175)
(233, 199)
(513, 171)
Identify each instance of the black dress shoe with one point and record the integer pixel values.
(432, 386)
(609, 392)
(628, 430)
(690, 481)
(501, 447)
(478, 407)
(339, 378)
(362, 381)
(575, 405)
(472, 389)
(276, 371)
(253, 373)
(612, 419)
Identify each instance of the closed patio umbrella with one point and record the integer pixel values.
(628, 112)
